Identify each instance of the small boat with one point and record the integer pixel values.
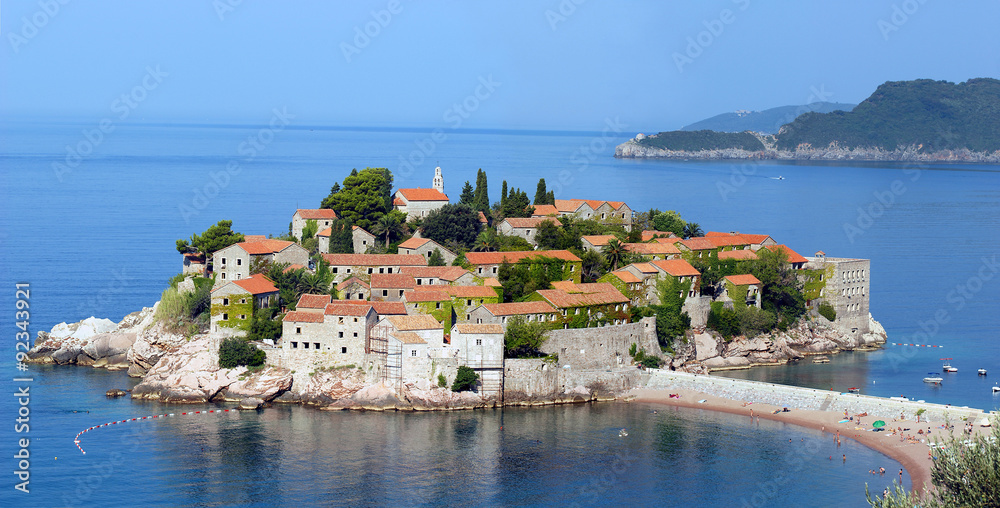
(933, 378)
(623, 433)
(947, 366)
(996, 388)
(901, 398)
(821, 359)
(982, 372)
(780, 177)
(854, 389)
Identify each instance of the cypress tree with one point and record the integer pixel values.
(503, 195)
(541, 197)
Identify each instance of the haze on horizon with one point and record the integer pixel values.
(567, 64)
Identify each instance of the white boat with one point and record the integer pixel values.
(982, 372)
(933, 378)
(947, 366)
(996, 388)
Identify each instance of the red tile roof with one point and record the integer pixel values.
(756, 239)
(352, 280)
(652, 249)
(398, 202)
(322, 213)
(414, 243)
(461, 291)
(496, 258)
(195, 257)
(414, 322)
(597, 240)
(645, 267)
(308, 301)
(572, 205)
(482, 218)
(739, 255)
(626, 276)
(292, 267)
(392, 281)
(339, 308)
(726, 241)
(477, 328)
(426, 295)
(742, 280)
(389, 308)
(492, 282)
(793, 257)
(422, 195)
(529, 222)
(648, 234)
(253, 238)
(720, 233)
(375, 259)
(676, 267)
(448, 273)
(519, 308)
(409, 338)
(563, 299)
(545, 210)
(698, 243)
(303, 317)
(264, 246)
(257, 284)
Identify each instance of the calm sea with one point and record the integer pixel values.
(96, 237)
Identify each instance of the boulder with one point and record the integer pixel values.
(266, 384)
(377, 397)
(189, 374)
(706, 346)
(83, 329)
(115, 393)
(251, 403)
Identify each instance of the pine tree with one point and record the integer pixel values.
(541, 197)
(468, 195)
(551, 198)
(503, 195)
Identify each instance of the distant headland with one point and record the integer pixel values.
(908, 121)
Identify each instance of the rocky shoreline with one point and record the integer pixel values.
(179, 369)
(631, 149)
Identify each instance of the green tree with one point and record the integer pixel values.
(592, 266)
(465, 379)
(503, 195)
(341, 237)
(436, 258)
(310, 229)
(452, 222)
(487, 241)
(781, 290)
(548, 236)
(234, 352)
(468, 195)
(481, 198)
(216, 237)
(365, 197)
(516, 204)
(387, 225)
(523, 338)
(614, 252)
(693, 230)
(669, 221)
(541, 196)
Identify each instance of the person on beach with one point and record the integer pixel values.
(900, 476)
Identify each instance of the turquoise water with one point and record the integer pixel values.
(100, 241)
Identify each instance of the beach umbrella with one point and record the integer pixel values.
(878, 424)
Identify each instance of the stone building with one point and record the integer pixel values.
(739, 289)
(585, 305)
(363, 240)
(481, 347)
(431, 275)
(233, 262)
(194, 263)
(354, 289)
(844, 283)
(501, 313)
(324, 218)
(390, 287)
(653, 250)
(524, 227)
(341, 332)
(363, 266)
(418, 202)
(487, 264)
(234, 301)
(794, 258)
(605, 212)
(595, 242)
(424, 247)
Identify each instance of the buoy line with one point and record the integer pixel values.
(76, 440)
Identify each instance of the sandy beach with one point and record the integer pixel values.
(908, 446)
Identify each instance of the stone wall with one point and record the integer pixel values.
(603, 347)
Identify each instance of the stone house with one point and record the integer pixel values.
(354, 289)
(481, 347)
(585, 305)
(681, 271)
(487, 264)
(605, 212)
(431, 302)
(363, 266)
(234, 301)
(418, 202)
(363, 240)
(324, 218)
(595, 242)
(501, 313)
(844, 283)
(524, 227)
(739, 290)
(461, 300)
(313, 303)
(694, 247)
(233, 262)
(432, 275)
(341, 331)
(194, 263)
(653, 250)
(424, 247)
(424, 326)
(390, 286)
(754, 242)
(628, 284)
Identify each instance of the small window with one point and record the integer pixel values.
(223, 275)
(355, 334)
(244, 300)
(223, 261)
(369, 271)
(390, 269)
(239, 276)
(343, 350)
(340, 320)
(468, 317)
(225, 301)
(243, 316)
(355, 320)
(298, 329)
(413, 352)
(239, 262)
(340, 335)
(400, 293)
(225, 317)
(295, 345)
(381, 270)
(315, 345)
(361, 296)
(305, 345)
(335, 269)
(468, 302)
(385, 292)
(348, 270)
(479, 342)
(437, 305)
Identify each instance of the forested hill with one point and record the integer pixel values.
(766, 122)
(933, 115)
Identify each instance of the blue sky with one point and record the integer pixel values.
(569, 64)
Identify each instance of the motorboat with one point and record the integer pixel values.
(982, 372)
(933, 378)
(901, 398)
(996, 388)
(854, 389)
(947, 366)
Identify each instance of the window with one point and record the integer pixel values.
(364, 242)
(494, 269)
(243, 316)
(239, 262)
(340, 320)
(420, 282)
(369, 271)
(468, 302)
(355, 320)
(244, 300)
(381, 270)
(305, 345)
(340, 335)
(361, 296)
(343, 350)
(225, 317)
(400, 293)
(436, 305)
(390, 269)
(223, 262)
(355, 335)
(223, 275)
(225, 301)
(348, 270)
(298, 329)
(468, 317)
(239, 276)
(315, 345)
(335, 269)
(385, 292)
(295, 345)
(413, 352)
(479, 342)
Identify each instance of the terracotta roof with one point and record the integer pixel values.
(568, 205)
(398, 202)
(820, 253)
(496, 258)
(308, 301)
(325, 232)
(562, 299)
(264, 246)
(195, 257)
(293, 267)
(429, 295)
(720, 233)
(519, 308)
(392, 281)
(461, 291)
(482, 218)
(477, 328)
(545, 210)
(414, 322)
(414, 243)
(321, 213)
(742, 280)
(375, 259)
(645, 267)
(739, 255)
(565, 285)
(389, 308)
(254, 238)
(597, 240)
(698, 243)
(422, 195)
(492, 282)
(303, 317)
(793, 257)
(676, 267)
(626, 276)
(726, 241)
(756, 239)
(448, 273)
(530, 222)
(408, 338)
(672, 240)
(257, 284)
(652, 249)
(352, 280)
(648, 234)
(339, 308)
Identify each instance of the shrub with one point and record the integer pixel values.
(826, 310)
(523, 338)
(464, 380)
(235, 352)
(442, 381)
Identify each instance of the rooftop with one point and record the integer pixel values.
(303, 317)
(428, 295)
(793, 257)
(352, 280)
(742, 280)
(267, 246)
(375, 259)
(414, 322)
(408, 338)
(676, 267)
(392, 281)
(529, 222)
(257, 284)
(316, 214)
(496, 258)
(422, 195)
(739, 255)
(597, 240)
(339, 308)
(477, 328)
(563, 299)
(448, 273)
(309, 301)
(519, 308)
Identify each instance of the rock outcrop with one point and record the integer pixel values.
(94, 342)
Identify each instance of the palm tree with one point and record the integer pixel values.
(387, 225)
(487, 241)
(693, 230)
(614, 251)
